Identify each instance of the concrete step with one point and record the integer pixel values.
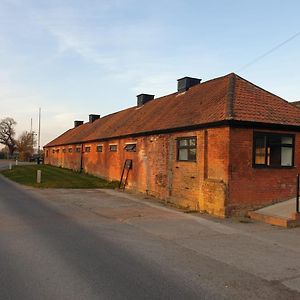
(280, 214)
(274, 220)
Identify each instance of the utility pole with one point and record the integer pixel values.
(39, 137)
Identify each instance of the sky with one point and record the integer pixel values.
(73, 58)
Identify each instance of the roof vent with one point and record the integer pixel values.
(93, 118)
(143, 99)
(186, 82)
(77, 123)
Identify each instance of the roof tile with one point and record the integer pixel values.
(223, 98)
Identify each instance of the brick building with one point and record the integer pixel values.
(223, 146)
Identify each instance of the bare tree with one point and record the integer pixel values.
(25, 144)
(7, 134)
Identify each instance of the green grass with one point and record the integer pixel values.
(53, 177)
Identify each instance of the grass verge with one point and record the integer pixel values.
(53, 177)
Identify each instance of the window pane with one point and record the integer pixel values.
(260, 150)
(279, 149)
(286, 156)
(113, 148)
(130, 147)
(287, 140)
(183, 143)
(183, 154)
(192, 154)
(275, 140)
(274, 155)
(187, 149)
(193, 142)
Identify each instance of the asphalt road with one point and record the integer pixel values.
(65, 245)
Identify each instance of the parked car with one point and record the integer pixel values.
(36, 157)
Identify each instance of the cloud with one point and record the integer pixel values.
(57, 54)
(78, 40)
(91, 34)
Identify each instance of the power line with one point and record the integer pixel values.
(268, 52)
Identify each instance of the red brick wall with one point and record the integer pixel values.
(214, 189)
(156, 170)
(254, 187)
(210, 184)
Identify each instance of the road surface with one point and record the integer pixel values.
(90, 244)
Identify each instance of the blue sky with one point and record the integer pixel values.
(77, 57)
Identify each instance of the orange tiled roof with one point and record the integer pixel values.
(225, 98)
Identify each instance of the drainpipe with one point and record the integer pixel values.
(297, 196)
(170, 167)
(81, 158)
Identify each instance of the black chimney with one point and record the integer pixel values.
(93, 118)
(186, 82)
(77, 123)
(143, 98)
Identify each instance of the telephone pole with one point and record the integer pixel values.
(39, 134)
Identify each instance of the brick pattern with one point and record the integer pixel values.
(254, 187)
(156, 170)
(221, 182)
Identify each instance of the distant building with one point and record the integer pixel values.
(223, 146)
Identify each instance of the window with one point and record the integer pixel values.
(273, 150)
(88, 149)
(57, 150)
(130, 148)
(186, 149)
(47, 153)
(77, 149)
(113, 148)
(99, 148)
(64, 150)
(70, 150)
(53, 151)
